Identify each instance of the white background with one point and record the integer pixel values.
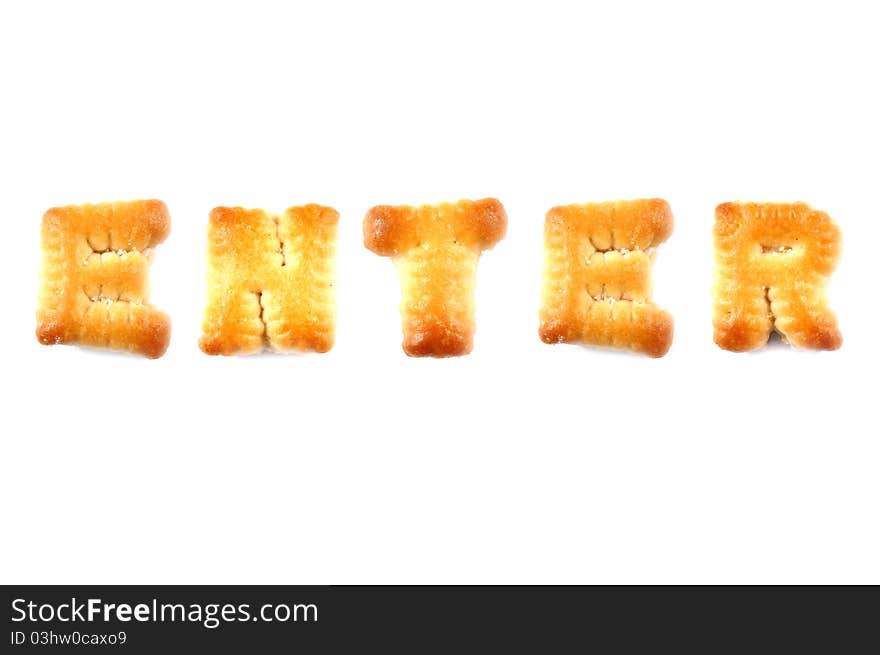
(521, 462)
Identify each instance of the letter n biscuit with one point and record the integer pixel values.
(271, 280)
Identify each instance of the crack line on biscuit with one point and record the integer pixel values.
(265, 334)
(277, 221)
(770, 309)
(107, 300)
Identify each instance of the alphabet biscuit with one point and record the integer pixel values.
(773, 261)
(271, 280)
(94, 276)
(436, 249)
(597, 275)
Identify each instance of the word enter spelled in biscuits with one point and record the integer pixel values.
(271, 279)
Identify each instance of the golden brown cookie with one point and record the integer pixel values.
(271, 280)
(436, 249)
(773, 261)
(94, 276)
(597, 275)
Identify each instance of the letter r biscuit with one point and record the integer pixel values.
(773, 261)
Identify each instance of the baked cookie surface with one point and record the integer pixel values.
(94, 276)
(436, 249)
(597, 275)
(271, 280)
(772, 263)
